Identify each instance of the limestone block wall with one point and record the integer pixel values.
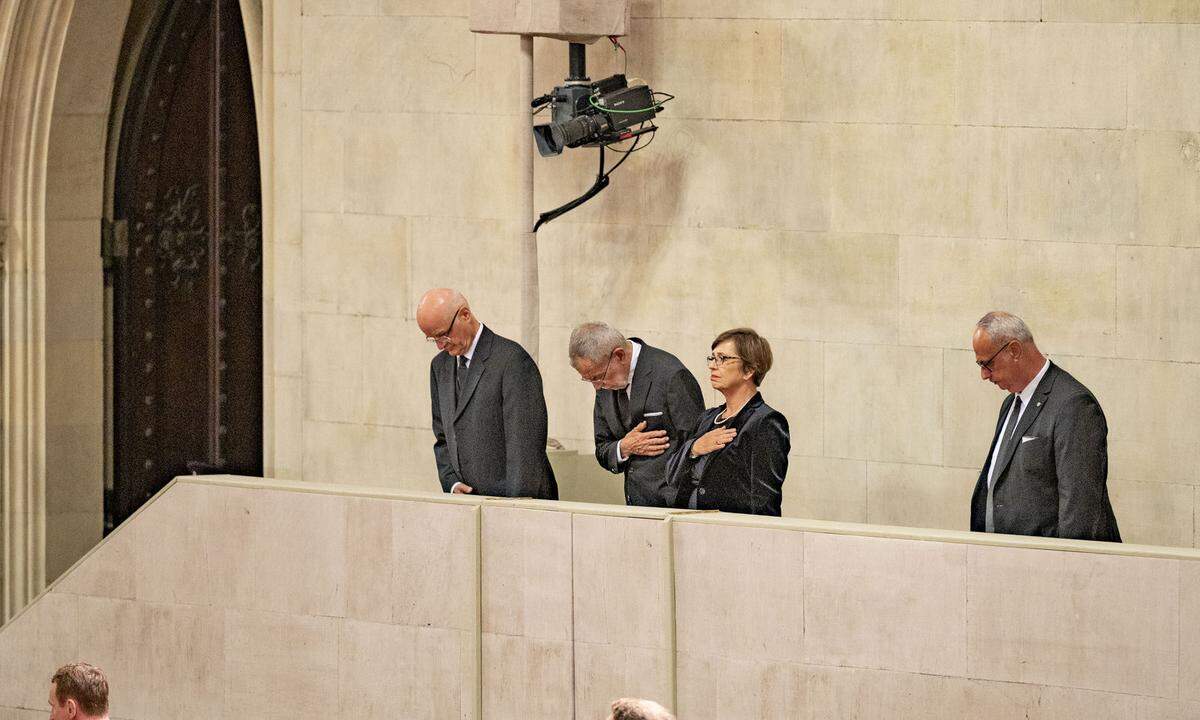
(241, 597)
(860, 181)
(222, 601)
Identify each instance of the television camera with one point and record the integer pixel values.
(594, 114)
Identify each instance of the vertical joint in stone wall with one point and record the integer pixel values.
(530, 291)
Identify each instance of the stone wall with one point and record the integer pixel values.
(238, 597)
(75, 204)
(860, 181)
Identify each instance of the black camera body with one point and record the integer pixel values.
(591, 114)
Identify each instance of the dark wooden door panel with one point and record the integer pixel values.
(187, 294)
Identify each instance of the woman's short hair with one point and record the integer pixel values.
(752, 348)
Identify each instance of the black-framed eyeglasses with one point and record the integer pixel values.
(445, 337)
(717, 359)
(594, 380)
(987, 364)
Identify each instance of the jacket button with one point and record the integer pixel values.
(701, 491)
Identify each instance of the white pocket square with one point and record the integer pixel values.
(1027, 438)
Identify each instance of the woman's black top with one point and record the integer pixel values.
(745, 476)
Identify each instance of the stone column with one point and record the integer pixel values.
(31, 42)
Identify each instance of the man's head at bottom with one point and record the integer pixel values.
(78, 691)
(636, 709)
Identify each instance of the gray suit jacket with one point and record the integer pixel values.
(660, 384)
(494, 438)
(1052, 481)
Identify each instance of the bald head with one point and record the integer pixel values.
(436, 308)
(445, 317)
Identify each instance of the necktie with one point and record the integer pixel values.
(623, 406)
(460, 376)
(1006, 440)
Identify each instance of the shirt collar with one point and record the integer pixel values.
(470, 353)
(633, 358)
(1027, 394)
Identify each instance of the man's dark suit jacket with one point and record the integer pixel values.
(745, 476)
(660, 384)
(494, 439)
(1052, 480)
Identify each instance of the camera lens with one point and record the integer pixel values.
(576, 129)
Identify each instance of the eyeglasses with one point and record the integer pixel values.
(717, 359)
(594, 380)
(987, 364)
(445, 337)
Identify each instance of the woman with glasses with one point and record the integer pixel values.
(737, 456)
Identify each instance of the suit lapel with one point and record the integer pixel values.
(478, 362)
(608, 405)
(1037, 402)
(741, 421)
(641, 384)
(707, 424)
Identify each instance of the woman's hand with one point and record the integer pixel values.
(712, 441)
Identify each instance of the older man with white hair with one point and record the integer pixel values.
(1047, 470)
(646, 402)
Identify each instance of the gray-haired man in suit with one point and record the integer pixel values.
(489, 414)
(1047, 470)
(646, 402)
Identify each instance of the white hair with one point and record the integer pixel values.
(1004, 327)
(594, 342)
(638, 709)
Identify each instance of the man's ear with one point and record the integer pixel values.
(72, 708)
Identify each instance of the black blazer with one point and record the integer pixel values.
(495, 438)
(1053, 480)
(745, 476)
(660, 384)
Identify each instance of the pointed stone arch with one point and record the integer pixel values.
(32, 34)
(186, 284)
(58, 63)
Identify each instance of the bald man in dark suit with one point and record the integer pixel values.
(489, 413)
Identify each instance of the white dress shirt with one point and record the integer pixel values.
(633, 358)
(1026, 395)
(468, 355)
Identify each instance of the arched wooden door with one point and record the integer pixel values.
(186, 270)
